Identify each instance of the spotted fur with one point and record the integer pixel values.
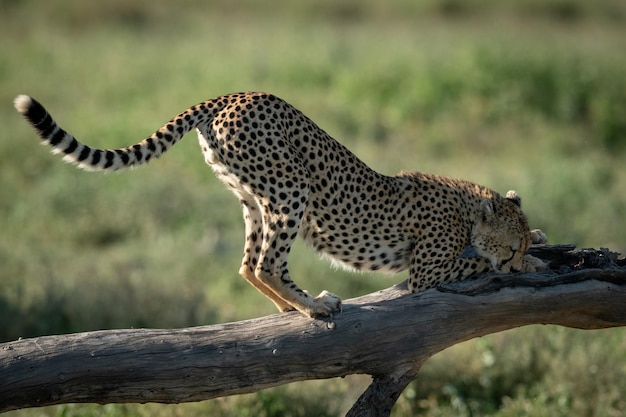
(292, 178)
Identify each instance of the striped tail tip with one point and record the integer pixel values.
(23, 104)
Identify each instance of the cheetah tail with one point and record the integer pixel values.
(93, 159)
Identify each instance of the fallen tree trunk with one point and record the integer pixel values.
(388, 334)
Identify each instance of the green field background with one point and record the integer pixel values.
(524, 94)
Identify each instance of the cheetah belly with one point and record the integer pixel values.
(356, 247)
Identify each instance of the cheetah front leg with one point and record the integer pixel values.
(434, 272)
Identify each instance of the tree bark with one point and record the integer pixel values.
(388, 334)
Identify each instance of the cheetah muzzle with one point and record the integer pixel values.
(292, 178)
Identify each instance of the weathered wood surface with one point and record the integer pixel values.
(388, 334)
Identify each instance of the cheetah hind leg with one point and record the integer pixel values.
(278, 287)
(277, 279)
(253, 225)
(275, 285)
(280, 304)
(279, 233)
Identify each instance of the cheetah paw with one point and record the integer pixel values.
(538, 237)
(532, 264)
(325, 304)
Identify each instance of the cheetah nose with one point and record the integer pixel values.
(515, 270)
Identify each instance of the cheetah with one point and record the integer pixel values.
(292, 178)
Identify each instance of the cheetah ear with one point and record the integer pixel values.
(486, 209)
(512, 196)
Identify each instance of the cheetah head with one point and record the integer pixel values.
(500, 232)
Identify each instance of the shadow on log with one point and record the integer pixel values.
(388, 334)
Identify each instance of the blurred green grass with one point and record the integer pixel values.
(526, 94)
